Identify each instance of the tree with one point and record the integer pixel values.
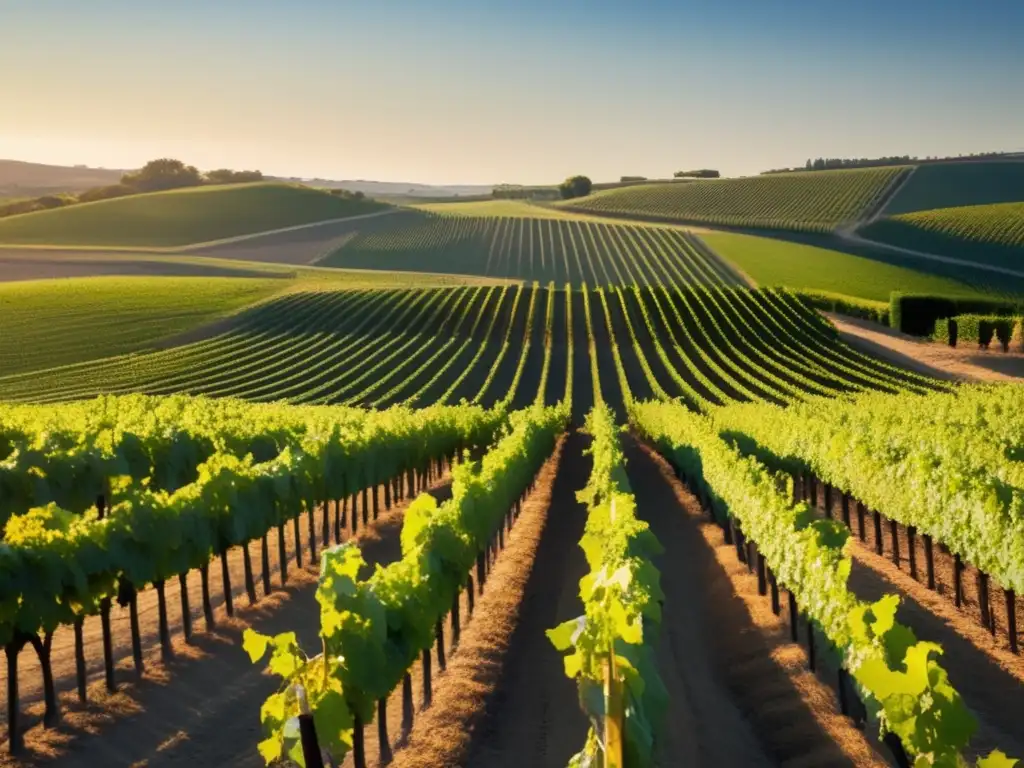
(164, 173)
(575, 186)
(227, 176)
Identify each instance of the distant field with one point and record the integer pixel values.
(508, 208)
(55, 322)
(812, 202)
(50, 323)
(952, 185)
(988, 234)
(555, 248)
(180, 217)
(769, 261)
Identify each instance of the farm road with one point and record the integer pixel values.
(938, 360)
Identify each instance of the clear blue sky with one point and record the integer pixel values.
(446, 91)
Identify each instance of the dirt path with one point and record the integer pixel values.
(533, 717)
(851, 237)
(740, 690)
(202, 705)
(444, 735)
(938, 360)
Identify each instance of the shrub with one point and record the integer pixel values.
(875, 311)
(106, 193)
(916, 313)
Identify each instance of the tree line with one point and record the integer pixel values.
(155, 176)
(837, 163)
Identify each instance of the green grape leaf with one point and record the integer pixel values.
(997, 759)
(255, 644)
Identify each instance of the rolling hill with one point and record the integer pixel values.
(953, 185)
(180, 217)
(989, 234)
(811, 202)
(21, 179)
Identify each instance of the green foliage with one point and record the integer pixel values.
(575, 186)
(184, 480)
(828, 268)
(622, 599)
(875, 311)
(811, 202)
(501, 240)
(162, 174)
(953, 185)
(180, 216)
(916, 313)
(373, 630)
(954, 449)
(905, 689)
(59, 322)
(987, 234)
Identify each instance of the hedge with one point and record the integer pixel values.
(979, 329)
(916, 313)
(875, 311)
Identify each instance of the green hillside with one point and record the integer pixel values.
(988, 234)
(951, 185)
(559, 248)
(771, 261)
(812, 202)
(48, 323)
(180, 217)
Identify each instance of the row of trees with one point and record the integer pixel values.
(835, 163)
(702, 173)
(155, 176)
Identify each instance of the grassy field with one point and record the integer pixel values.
(952, 185)
(55, 322)
(558, 248)
(813, 202)
(988, 234)
(771, 261)
(180, 217)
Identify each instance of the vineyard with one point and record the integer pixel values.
(988, 234)
(180, 217)
(708, 344)
(529, 488)
(810, 202)
(552, 248)
(956, 185)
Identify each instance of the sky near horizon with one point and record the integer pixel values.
(452, 91)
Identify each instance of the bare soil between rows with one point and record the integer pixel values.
(202, 705)
(740, 691)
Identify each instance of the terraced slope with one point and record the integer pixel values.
(561, 249)
(952, 185)
(705, 343)
(989, 234)
(180, 217)
(812, 202)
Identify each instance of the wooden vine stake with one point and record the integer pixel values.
(613, 725)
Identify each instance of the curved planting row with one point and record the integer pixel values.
(707, 344)
(542, 249)
(897, 677)
(814, 202)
